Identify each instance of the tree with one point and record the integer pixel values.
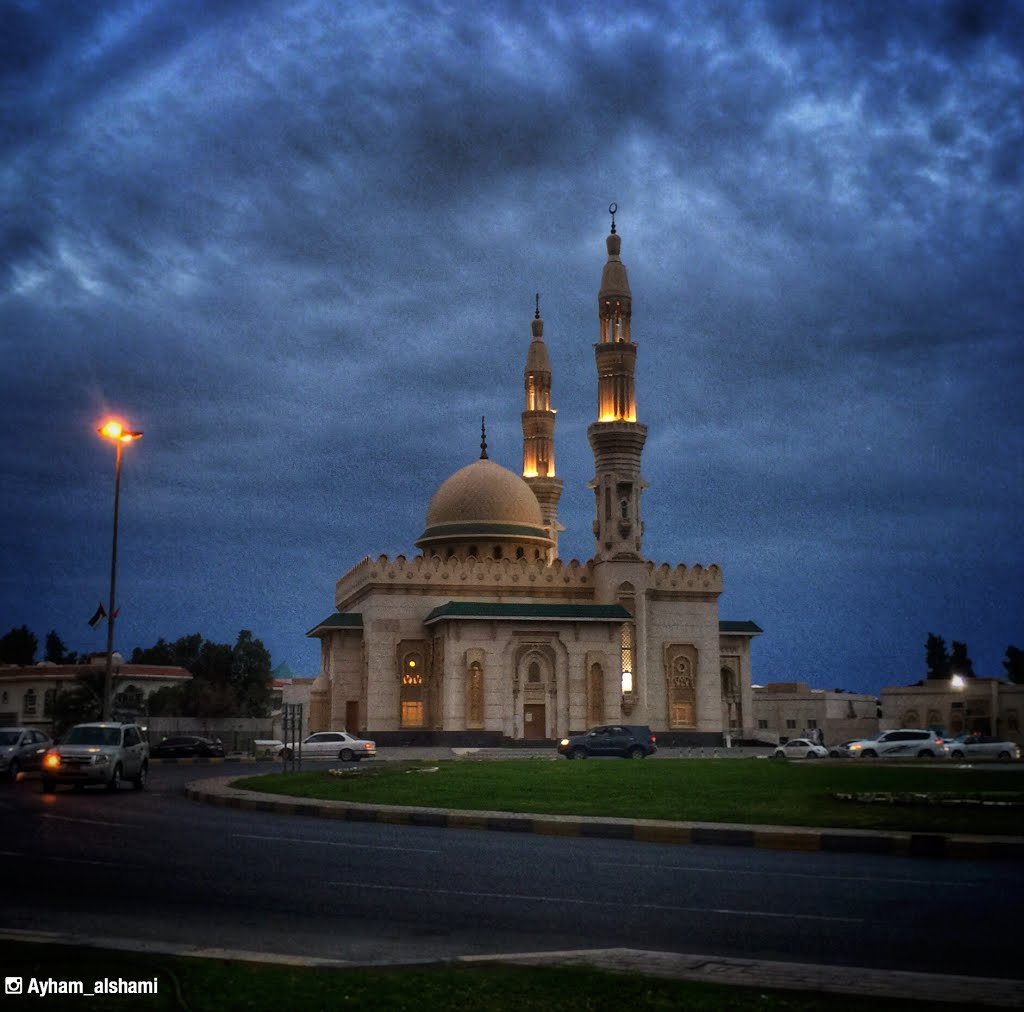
(935, 657)
(251, 675)
(959, 662)
(19, 647)
(56, 652)
(1014, 664)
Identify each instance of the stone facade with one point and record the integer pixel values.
(489, 635)
(981, 706)
(784, 710)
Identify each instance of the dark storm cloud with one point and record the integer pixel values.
(299, 246)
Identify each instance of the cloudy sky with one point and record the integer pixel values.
(297, 244)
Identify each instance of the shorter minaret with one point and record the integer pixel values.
(539, 434)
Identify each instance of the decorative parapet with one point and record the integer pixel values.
(683, 578)
(512, 575)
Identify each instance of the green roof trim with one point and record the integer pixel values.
(483, 530)
(339, 620)
(740, 628)
(535, 612)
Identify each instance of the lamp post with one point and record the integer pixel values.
(121, 436)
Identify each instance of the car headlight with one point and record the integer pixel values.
(564, 741)
(100, 759)
(854, 748)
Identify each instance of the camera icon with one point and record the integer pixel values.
(12, 985)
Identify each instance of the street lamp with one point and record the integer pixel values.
(121, 436)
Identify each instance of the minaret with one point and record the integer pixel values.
(616, 438)
(539, 434)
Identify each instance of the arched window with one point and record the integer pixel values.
(520, 554)
(475, 695)
(533, 672)
(497, 551)
(626, 651)
(412, 691)
(934, 718)
(1011, 721)
(911, 718)
(595, 695)
(472, 551)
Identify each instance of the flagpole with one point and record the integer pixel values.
(108, 676)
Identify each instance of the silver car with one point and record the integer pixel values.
(900, 743)
(101, 753)
(976, 746)
(333, 745)
(21, 748)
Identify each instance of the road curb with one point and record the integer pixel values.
(218, 791)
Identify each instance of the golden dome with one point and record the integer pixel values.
(484, 502)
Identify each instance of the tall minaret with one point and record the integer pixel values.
(539, 434)
(616, 438)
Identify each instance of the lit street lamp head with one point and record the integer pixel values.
(113, 429)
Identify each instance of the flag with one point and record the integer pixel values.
(98, 616)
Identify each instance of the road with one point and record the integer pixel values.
(155, 866)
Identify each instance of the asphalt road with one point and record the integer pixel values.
(155, 866)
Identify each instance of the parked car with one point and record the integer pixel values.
(331, 745)
(800, 748)
(21, 748)
(900, 743)
(983, 745)
(630, 741)
(186, 746)
(100, 753)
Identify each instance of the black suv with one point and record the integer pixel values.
(630, 741)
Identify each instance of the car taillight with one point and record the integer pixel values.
(51, 760)
(653, 739)
(368, 746)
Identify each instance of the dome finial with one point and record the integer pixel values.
(612, 208)
(483, 438)
(536, 315)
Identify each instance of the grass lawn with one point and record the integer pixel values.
(225, 986)
(693, 790)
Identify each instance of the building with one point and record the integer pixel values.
(784, 710)
(957, 706)
(27, 693)
(489, 635)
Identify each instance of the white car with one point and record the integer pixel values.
(978, 745)
(900, 743)
(332, 745)
(800, 748)
(21, 748)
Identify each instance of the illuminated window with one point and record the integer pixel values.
(626, 649)
(412, 713)
(412, 710)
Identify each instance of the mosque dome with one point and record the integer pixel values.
(483, 503)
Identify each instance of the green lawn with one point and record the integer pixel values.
(224, 986)
(698, 790)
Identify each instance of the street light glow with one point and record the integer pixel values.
(113, 429)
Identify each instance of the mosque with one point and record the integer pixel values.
(488, 636)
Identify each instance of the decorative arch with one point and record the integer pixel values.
(681, 673)
(413, 687)
(475, 695)
(732, 700)
(595, 695)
